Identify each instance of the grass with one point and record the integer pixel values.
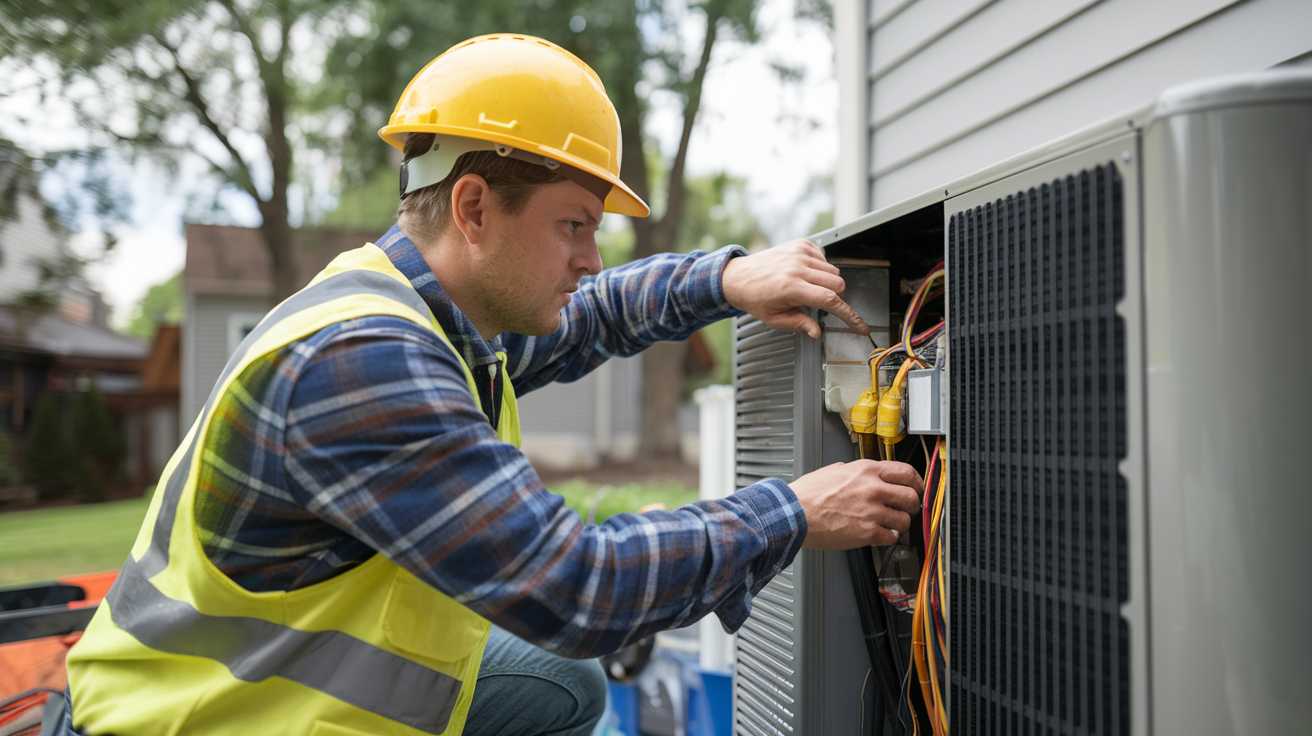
(620, 498)
(48, 543)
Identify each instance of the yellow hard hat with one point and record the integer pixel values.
(519, 92)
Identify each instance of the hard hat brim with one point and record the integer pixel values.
(622, 200)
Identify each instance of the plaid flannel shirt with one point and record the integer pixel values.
(363, 438)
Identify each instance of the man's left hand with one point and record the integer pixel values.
(776, 285)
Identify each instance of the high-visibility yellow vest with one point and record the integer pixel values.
(178, 647)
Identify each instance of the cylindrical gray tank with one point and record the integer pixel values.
(1228, 307)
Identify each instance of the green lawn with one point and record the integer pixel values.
(48, 543)
(43, 544)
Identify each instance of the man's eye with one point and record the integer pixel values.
(575, 225)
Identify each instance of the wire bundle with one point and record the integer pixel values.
(929, 651)
(929, 622)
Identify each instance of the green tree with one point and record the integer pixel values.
(9, 474)
(86, 193)
(101, 448)
(161, 304)
(171, 78)
(639, 51)
(73, 447)
(49, 461)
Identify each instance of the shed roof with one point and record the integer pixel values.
(225, 260)
(52, 333)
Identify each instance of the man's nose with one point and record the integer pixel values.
(587, 258)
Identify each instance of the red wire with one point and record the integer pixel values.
(927, 334)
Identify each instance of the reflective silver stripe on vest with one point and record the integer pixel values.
(252, 649)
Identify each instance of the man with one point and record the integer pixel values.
(349, 540)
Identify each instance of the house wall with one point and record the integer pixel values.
(23, 239)
(206, 345)
(564, 424)
(582, 423)
(934, 90)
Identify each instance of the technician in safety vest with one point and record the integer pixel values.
(348, 540)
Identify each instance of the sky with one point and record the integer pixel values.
(746, 127)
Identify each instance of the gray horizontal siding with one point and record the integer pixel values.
(571, 408)
(563, 412)
(954, 86)
(206, 347)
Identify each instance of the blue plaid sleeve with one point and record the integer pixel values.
(384, 442)
(667, 296)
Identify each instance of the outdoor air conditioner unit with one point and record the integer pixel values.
(1128, 391)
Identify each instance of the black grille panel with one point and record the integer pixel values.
(1038, 541)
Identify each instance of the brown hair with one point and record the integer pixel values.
(424, 214)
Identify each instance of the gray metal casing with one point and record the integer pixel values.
(1218, 273)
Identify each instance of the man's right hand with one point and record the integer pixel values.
(858, 504)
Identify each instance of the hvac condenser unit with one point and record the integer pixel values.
(1126, 386)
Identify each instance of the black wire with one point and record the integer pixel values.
(874, 627)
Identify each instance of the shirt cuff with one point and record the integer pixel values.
(709, 302)
(783, 522)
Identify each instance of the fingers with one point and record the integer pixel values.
(795, 321)
(880, 536)
(897, 497)
(809, 248)
(825, 280)
(901, 474)
(885, 522)
(818, 297)
(821, 264)
(894, 520)
(894, 485)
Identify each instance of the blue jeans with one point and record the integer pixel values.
(522, 689)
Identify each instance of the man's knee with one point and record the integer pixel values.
(526, 690)
(591, 689)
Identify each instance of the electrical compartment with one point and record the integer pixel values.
(889, 392)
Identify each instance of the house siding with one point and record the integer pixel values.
(935, 90)
(23, 240)
(560, 423)
(206, 348)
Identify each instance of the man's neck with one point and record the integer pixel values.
(449, 262)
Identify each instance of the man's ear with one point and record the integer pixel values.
(471, 200)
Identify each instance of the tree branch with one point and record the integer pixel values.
(200, 107)
(246, 29)
(675, 188)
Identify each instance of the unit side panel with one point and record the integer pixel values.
(769, 676)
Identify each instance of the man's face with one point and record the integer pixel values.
(537, 256)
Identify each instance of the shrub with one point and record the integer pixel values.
(49, 461)
(9, 474)
(73, 447)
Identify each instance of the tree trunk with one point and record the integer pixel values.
(663, 373)
(662, 394)
(277, 235)
(275, 227)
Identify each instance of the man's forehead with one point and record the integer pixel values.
(576, 199)
(598, 189)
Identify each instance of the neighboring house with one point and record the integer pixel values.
(42, 352)
(70, 345)
(934, 90)
(226, 282)
(26, 237)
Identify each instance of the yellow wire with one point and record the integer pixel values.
(917, 301)
(933, 549)
(923, 631)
